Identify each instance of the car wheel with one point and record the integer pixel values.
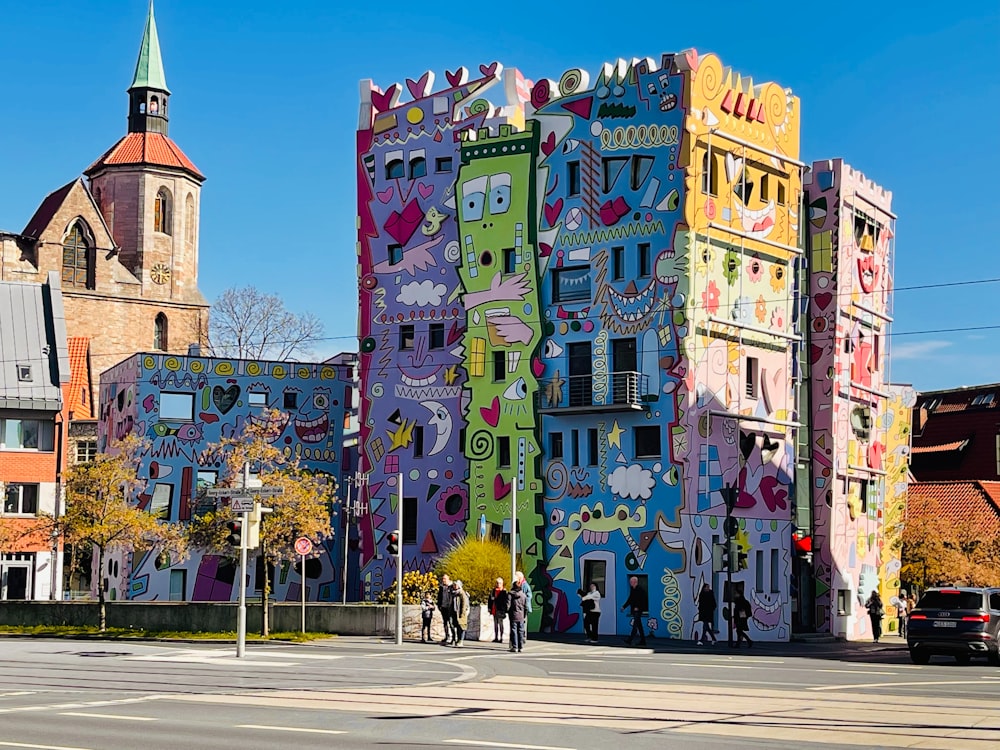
(919, 657)
(963, 658)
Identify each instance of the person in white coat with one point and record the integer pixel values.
(590, 602)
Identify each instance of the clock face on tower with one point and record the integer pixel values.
(160, 273)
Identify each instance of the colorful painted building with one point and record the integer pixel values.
(181, 406)
(851, 229)
(896, 425)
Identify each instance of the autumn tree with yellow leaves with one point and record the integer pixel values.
(937, 549)
(101, 512)
(304, 508)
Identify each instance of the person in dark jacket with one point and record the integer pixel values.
(876, 611)
(460, 600)
(497, 605)
(637, 604)
(706, 614)
(517, 611)
(446, 608)
(741, 619)
(426, 617)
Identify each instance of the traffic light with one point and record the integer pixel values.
(235, 536)
(731, 526)
(392, 543)
(741, 561)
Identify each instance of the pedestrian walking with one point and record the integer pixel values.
(706, 615)
(517, 611)
(902, 610)
(741, 619)
(590, 602)
(444, 604)
(497, 605)
(875, 612)
(526, 590)
(637, 604)
(460, 602)
(427, 608)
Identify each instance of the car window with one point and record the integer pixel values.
(995, 600)
(951, 600)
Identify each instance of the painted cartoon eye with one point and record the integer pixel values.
(474, 198)
(556, 516)
(499, 193)
(552, 349)
(516, 391)
(321, 401)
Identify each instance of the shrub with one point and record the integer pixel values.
(477, 563)
(415, 585)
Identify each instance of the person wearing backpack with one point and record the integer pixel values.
(876, 611)
(517, 611)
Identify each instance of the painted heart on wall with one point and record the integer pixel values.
(225, 398)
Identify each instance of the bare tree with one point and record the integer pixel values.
(246, 323)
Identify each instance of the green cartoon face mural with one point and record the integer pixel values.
(499, 273)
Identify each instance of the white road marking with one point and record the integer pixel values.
(290, 655)
(584, 661)
(664, 678)
(484, 743)
(709, 666)
(920, 683)
(291, 729)
(40, 747)
(117, 717)
(88, 704)
(17, 692)
(851, 671)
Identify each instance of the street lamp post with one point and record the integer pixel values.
(513, 529)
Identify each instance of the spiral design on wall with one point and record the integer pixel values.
(481, 445)
(479, 107)
(224, 368)
(709, 77)
(328, 373)
(556, 479)
(718, 360)
(671, 609)
(571, 81)
(149, 362)
(775, 104)
(302, 372)
(197, 367)
(172, 363)
(254, 369)
(541, 94)
(377, 390)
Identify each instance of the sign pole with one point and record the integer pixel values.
(302, 576)
(347, 533)
(399, 566)
(513, 529)
(241, 617)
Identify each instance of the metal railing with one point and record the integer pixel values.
(613, 391)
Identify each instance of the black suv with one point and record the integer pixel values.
(963, 622)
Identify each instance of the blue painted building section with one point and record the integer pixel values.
(181, 406)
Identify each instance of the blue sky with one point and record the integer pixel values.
(265, 103)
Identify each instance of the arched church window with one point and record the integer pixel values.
(154, 105)
(189, 227)
(160, 332)
(161, 212)
(78, 257)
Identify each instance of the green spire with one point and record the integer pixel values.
(149, 66)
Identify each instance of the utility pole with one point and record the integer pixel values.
(353, 509)
(513, 528)
(241, 617)
(730, 494)
(399, 565)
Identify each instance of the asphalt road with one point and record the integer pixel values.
(363, 693)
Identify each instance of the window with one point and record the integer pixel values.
(442, 164)
(406, 338)
(645, 260)
(177, 407)
(574, 444)
(571, 284)
(86, 451)
(503, 451)
(509, 260)
(759, 572)
(765, 187)
(592, 447)
(418, 441)
(641, 167)
(983, 399)
(160, 333)
(499, 366)
(617, 263)
(409, 520)
(775, 565)
(861, 422)
(436, 336)
(751, 377)
(24, 373)
(161, 506)
(418, 164)
(78, 258)
(556, 444)
(573, 178)
(189, 227)
(394, 168)
(709, 174)
(612, 167)
(395, 254)
(647, 441)
(256, 399)
(178, 585)
(26, 434)
(162, 220)
(781, 194)
(290, 400)
(21, 499)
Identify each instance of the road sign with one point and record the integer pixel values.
(270, 491)
(241, 504)
(303, 546)
(221, 491)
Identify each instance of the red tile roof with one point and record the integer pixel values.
(957, 501)
(79, 397)
(43, 215)
(146, 148)
(955, 445)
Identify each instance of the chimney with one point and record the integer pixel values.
(194, 350)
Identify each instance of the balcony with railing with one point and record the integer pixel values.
(599, 392)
